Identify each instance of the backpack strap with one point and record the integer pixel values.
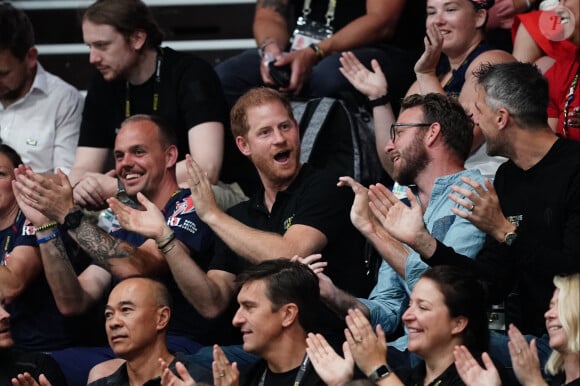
(317, 120)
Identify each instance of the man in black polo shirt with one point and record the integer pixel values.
(299, 211)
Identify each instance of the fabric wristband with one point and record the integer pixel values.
(49, 237)
(380, 101)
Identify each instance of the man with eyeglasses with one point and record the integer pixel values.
(531, 213)
(428, 148)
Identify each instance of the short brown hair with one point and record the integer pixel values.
(255, 97)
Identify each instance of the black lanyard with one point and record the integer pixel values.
(299, 376)
(156, 87)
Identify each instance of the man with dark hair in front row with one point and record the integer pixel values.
(531, 213)
(278, 305)
(24, 366)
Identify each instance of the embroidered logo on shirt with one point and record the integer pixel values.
(288, 222)
(183, 207)
(516, 220)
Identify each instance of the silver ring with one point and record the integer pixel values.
(358, 340)
(472, 207)
(222, 374)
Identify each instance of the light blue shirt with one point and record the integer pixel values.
(390, 296)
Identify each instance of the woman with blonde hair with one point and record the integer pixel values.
(563, 325)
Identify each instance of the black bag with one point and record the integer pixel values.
(338, 135)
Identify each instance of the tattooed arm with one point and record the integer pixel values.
(117, 256)
(73, 295)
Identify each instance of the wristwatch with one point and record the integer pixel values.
(510, 237)
(380, 372)
(123, 196)
(73, 219)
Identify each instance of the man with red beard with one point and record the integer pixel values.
(428, 148)
(299, 211)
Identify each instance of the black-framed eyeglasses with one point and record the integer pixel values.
(397, 124)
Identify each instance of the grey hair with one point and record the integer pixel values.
(518, 87)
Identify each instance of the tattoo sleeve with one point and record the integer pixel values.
(62, 254)
(100, 245)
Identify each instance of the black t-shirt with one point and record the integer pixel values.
(416, 376)
(545, 201)
(313, 199)
(14, 362)
(253, 376)
(190, 93)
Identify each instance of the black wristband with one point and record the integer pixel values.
(380, 101)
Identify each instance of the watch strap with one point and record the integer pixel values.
(380, 372)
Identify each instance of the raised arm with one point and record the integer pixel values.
(373, 84)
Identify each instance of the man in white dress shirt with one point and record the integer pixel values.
(40, 114)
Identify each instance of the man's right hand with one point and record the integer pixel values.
(93, 189)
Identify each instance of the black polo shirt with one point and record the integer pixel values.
(312, 199)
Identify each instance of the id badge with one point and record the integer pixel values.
(308, 32)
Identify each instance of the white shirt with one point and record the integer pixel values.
(43, 126)
(486, 164)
